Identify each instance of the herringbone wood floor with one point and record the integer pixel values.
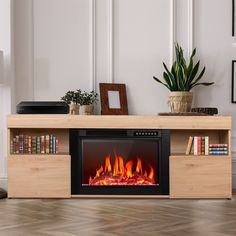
(105, 217)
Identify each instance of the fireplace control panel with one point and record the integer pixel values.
(147, 133)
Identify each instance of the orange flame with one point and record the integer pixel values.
(116, 167)
(129, 167)
(139, 168)
(151, 174)
(107, 164)
(122, 168)
(99, 171)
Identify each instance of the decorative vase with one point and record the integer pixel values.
(86, 109)
(74, 109)
(180, 101)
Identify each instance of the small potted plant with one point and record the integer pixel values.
(86, 101)
(72, 99)
(181, 79)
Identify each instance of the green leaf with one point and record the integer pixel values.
(194, 72)
(172, 78)
(205, 84)
(159, 81)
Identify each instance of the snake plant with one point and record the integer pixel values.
(182, 76)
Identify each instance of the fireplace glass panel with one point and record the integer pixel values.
(120, 162)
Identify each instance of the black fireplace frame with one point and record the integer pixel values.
(162, 136)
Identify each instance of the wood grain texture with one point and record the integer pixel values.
(39, 176)
(117, 217)
(200, 177)
(119, 121)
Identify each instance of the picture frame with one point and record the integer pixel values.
(233, 18)
(113, 99)
(233, 92)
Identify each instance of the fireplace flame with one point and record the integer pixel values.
(129, 167)
(123, 173)
(107, 164)
(139, 168)
(99, 171)
(151, 174)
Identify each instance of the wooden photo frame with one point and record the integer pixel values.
(113, 99)
(233, 91)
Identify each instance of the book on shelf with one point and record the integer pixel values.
(200, 145)
(26, 144)
(218, 149)
(189, 146)
(215, 152)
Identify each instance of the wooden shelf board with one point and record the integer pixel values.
(120, 121)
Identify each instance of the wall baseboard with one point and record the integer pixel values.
(3, 182)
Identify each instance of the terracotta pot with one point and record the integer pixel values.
(180, 101)
(74, 109)
(86, 109)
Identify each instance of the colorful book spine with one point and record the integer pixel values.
(206, 145)
(218, 152)
(17, 144)
(47, 143)
(195, 145)
(26, 144)
(38, 146)
(33, 145)
(201, 145)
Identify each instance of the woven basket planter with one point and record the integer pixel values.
(180, 101)
(86, 109)
(74, 109)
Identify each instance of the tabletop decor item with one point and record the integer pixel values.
(80, 102)
(113, 99)
(206, 110)
(87, 101)
(181, 79)
(72, 99)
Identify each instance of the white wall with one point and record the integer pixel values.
(7, 86)
(79, 43)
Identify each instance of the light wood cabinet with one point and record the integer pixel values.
(40, 175)
(191, 176)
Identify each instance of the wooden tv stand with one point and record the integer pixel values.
(48, 175)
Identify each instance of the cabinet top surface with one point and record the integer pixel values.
(118, 121)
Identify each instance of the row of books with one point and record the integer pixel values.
(199, 145)
(26, 144)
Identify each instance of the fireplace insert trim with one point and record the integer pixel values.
(162, 137)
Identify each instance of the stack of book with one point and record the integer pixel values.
(198, 144)
(218, 149)
(26, 144)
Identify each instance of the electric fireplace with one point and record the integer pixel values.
(118, 161)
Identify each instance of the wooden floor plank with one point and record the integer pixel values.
(108, 217)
